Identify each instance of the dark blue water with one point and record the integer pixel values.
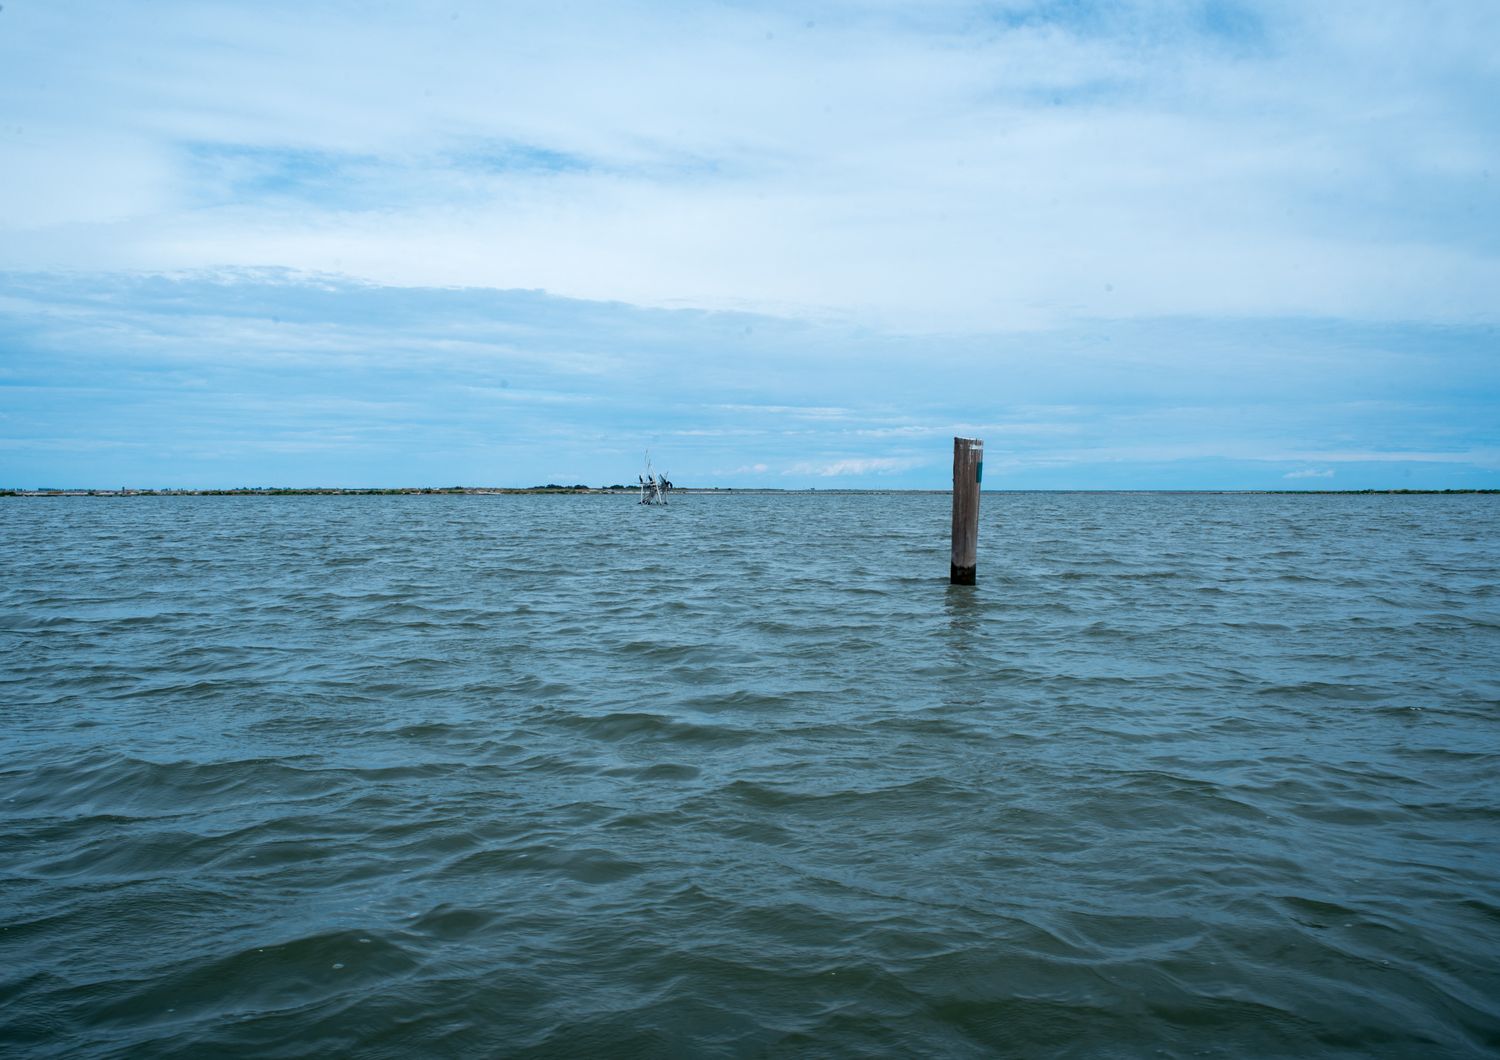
(392, 776)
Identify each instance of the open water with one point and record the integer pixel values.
(565, 776)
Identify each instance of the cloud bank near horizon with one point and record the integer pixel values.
(266, 377)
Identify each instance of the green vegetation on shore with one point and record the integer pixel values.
(309, 491)
(1357, 493)
(553, 488)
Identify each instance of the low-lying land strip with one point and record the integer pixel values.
(480, 491)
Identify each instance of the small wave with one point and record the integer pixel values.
(626, 725)
(585, 865)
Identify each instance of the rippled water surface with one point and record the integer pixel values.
(552, 775)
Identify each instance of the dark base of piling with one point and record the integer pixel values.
(960, 575)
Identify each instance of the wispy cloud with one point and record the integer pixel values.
(966, 166)
(854, 466)
(1309, 473)
(815, 412)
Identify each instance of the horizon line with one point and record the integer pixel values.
(580, 489)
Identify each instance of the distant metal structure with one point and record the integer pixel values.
(654, 487)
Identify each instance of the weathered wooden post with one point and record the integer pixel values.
(968, 469)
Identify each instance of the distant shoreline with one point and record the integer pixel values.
(487, 491)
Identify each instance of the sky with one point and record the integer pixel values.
(1180, 244)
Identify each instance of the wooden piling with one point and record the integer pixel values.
(968, 469)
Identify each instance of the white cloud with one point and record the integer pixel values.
(959, 167)
(880, 465)
(1309, 473)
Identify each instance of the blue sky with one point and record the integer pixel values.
(1178, 244)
